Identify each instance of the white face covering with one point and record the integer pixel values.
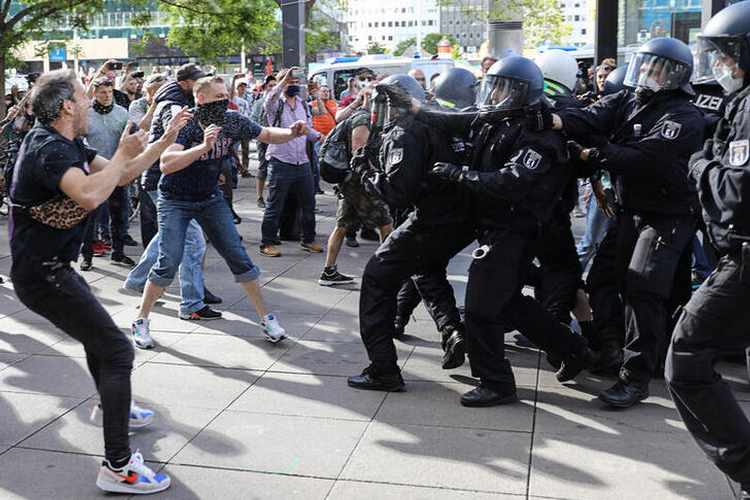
(723, 75)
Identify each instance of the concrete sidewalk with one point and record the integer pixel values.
(239, 418)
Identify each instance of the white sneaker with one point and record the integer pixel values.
(271, 328)
(139, 417)
(135, 478)
(141, 335)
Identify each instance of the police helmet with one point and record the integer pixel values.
(511, 82)
(614, 82)
(558, 67)
(723, 46)
(661, 64)
(455, 89)
(387, 106)
(408, 84)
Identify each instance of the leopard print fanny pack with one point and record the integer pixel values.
(60, 212)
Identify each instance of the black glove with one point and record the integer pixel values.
(397, 97)
(447, 171)
(574, 150)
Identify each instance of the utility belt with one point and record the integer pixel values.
(742, 254)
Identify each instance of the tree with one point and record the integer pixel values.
(403, 45)
(215, 28)
(33, 17)
(430, 42)
(375, 48)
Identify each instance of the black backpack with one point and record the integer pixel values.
(336, 152)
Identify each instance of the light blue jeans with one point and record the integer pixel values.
(191, 267)
(596, 228)
(215, 218)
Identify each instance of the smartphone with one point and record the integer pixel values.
(115, 66)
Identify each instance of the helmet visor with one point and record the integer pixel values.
(714, 56)
(656, 73)
(502, 92)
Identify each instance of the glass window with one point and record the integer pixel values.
(642, 20)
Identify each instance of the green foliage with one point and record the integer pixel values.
(215, 28)
(375, 48)
(430, 42)
(403, 45)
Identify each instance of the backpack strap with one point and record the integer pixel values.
(279, 112)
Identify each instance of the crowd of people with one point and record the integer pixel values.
(434, 166)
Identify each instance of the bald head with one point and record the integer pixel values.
(418, 75)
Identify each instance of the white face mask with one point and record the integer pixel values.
(723, 75)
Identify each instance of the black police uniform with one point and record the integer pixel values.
(560, 268)
(647, 154)
(716, 318)
(423, 245)
(517, 177)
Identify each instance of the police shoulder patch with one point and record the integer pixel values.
(671, 130)
(739, 152)
(531, 159)
(396, 155)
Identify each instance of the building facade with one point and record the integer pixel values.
(580, 15)
(465, 20)
(388, 22)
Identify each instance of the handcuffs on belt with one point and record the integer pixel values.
(481, 252)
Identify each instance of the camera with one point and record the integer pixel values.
(115, 66)
(31, 78)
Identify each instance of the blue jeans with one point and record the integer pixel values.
(215, 217)
(596, 227)
(285, 179)
(191, 267)
(701, 265)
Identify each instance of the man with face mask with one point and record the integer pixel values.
(289, 170)
(644, 140)
(715, 319)
(189, 191)
(195, 298)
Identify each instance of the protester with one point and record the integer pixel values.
(288, 166)
(55, 165)
(141, 111)
(259, 116)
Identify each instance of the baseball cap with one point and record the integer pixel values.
(155, 78)
(103, 80)
(189, 71)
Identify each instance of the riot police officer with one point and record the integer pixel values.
(715, 319)
(435, 231)
(515, 178)
(644, 140)
(454, 90)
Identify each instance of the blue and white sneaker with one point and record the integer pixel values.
(271, 329)
(139, 417)
(135, 478)
(141, 335)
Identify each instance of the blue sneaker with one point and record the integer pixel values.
(135, 478)
(138, 418)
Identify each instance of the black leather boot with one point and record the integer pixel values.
(454, 347)
(483, 396)
(625, 394)
(371, 381)
(573, 365)
(610, 359)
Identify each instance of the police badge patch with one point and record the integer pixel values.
(739, 152)
(531, 159)
(397, 154)
(671, 130)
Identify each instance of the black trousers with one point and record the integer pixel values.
(494, 300)
(149, 218)
(437, 293)
(118, 216)
(631, 282)
(63, 297)
(713, 323)
(560, 268)
(412, 249)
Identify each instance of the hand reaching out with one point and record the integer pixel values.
(132, 144)
(299, 128)
(178, 121)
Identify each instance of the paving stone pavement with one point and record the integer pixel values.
(239, 418)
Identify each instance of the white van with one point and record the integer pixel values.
(337, 74)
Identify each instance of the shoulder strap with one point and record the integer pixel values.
(277, 116)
